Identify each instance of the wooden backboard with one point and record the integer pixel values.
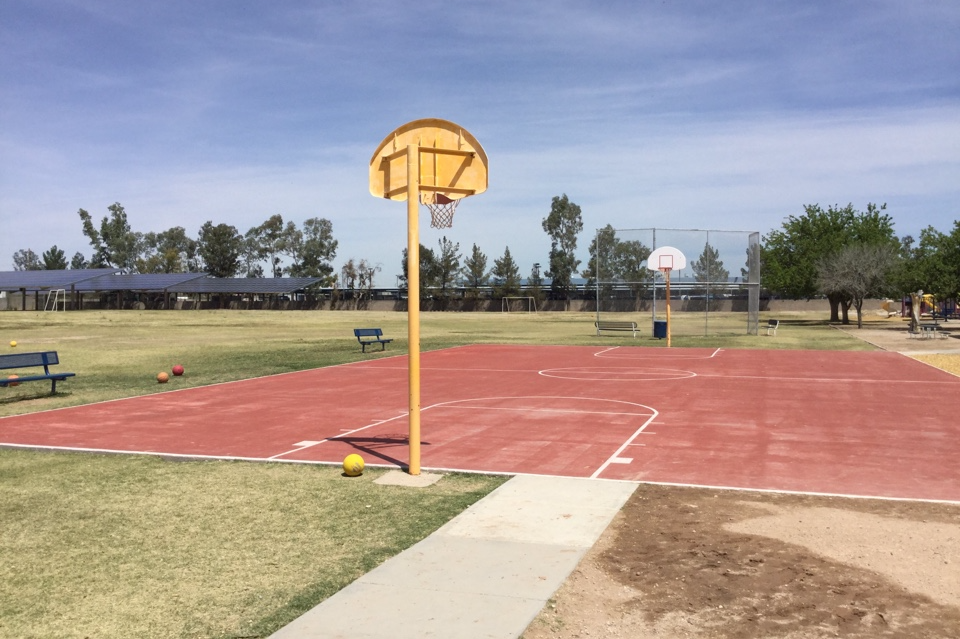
(452, 162)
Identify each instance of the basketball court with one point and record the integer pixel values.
(850, 423)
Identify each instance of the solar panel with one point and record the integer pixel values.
(250, 285)
(145, 282)
(47, 280)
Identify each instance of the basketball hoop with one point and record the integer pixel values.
(441, 208)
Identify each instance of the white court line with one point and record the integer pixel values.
(660, 354)
(622, 448)
(343, 434)
(832, 380)
(549, 410)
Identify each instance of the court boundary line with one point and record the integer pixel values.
(600, 354)
(445, 469)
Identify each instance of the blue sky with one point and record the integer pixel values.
(721, 115)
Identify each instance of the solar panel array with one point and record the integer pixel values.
(147, 283)
(251, 285)
(111, 280)
(49, 280)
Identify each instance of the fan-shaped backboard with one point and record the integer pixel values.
(452, 162)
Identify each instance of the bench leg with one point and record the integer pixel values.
(53, 387)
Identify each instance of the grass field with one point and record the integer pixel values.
(110, 546)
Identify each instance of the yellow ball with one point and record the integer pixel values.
(162, 377)
(353, 465)
(13, 344)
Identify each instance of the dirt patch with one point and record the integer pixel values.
(707, 564)
(691, 562)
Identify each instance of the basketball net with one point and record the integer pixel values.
(441, 208)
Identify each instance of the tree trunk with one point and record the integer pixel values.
(845, 309)
(834, 300)
(858, 304)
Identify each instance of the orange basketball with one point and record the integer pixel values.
(13, 377)
(162, 377)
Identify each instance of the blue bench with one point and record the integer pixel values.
(33, 360)
(368, 336)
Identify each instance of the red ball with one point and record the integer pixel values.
(178, 370)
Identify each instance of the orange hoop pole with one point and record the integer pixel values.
(667, 274)
(413, 301)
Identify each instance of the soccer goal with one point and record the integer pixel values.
(518, 305)
(56, 300)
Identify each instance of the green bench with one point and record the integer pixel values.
(368, 336)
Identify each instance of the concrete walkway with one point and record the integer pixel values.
(486, 573)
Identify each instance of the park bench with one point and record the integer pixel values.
(32, 360)
(605, 325)
(772, 326)
(368, 336)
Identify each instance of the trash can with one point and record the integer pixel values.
(660, 329)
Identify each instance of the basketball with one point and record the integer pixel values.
(353, 465)
(18, 383)
(13, 343)
(162, 377)
(178, 370)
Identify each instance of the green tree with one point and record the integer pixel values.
(170, 251)
(791, 254)
(267, 241)
(563, 225)
(220, 247)
(506, 276)
(54, 259)
(535, 283)
(630, 258)
(312, 250)
(707, 270)
(429, 272)
(26, 260)
(602, 264)
(614, 261)
(474, 273)
(78, 261)
(115, 243)
(448, 266)
(932, 265)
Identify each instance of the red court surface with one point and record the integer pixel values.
(850, 423)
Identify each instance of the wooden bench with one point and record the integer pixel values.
(772, 326)
(32, 360)
(368, 336)
(604, 325)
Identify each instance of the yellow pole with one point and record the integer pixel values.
(413, 301)
(667, 273)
